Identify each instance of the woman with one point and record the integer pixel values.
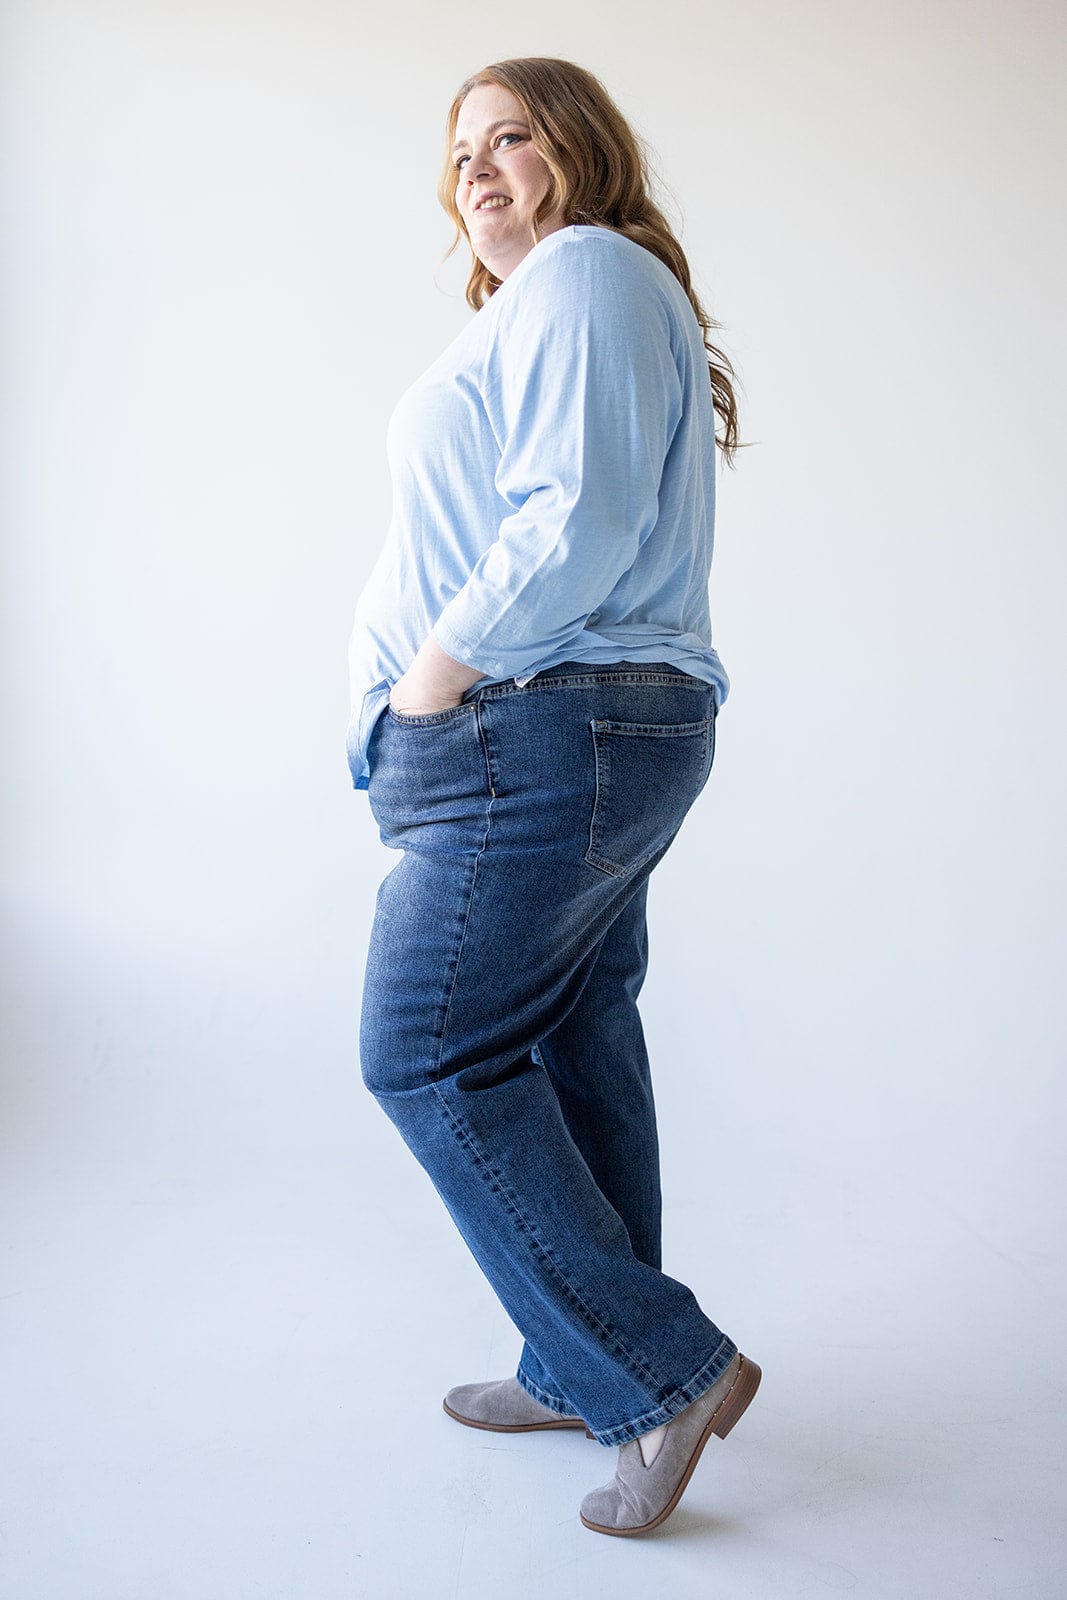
(534, 702)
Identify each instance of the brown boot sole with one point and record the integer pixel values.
(733, 1406)
(517, 1427)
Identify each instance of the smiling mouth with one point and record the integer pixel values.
(498, 203)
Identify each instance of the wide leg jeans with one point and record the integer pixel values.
(499, 1027)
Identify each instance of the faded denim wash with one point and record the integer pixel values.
(499, 1027)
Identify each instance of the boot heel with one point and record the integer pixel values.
(739, 1398)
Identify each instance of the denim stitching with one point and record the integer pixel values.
(427, 719)
(601, 729)
(709, 753)
(483, 735)
(464, 1134)
(463, 934)
(652, 730)
(495, 691)
(676, 1402)
(562, 1407)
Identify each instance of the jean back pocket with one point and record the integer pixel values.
(647, 777)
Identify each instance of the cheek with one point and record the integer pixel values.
(533, 173)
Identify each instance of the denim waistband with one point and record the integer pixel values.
(583, 673)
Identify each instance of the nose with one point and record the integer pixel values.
(479, 166)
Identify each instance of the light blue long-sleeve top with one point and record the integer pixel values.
(553, 477)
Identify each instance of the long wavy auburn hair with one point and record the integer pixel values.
(600, 176)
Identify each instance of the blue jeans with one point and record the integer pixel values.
(499, 1027)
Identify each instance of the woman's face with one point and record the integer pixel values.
(494, 156)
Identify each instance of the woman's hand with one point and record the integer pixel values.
(410, 694)
(435, 681)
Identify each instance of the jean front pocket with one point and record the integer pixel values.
(647, 777)
(428, 772)
(428, 719)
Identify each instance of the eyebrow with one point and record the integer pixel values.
(505, 122)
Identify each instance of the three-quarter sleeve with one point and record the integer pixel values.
(583, 396)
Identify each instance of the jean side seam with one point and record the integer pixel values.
(492, 1176)
(463, 935)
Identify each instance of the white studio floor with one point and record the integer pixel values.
(225, 1354)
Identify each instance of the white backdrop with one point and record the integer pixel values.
(231, 1300)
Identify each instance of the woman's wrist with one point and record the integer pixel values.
(443, 672)
(434, 681)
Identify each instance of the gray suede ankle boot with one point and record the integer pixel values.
(639, 1498)
(503, 1406)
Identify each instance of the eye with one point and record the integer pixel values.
(458, 163)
